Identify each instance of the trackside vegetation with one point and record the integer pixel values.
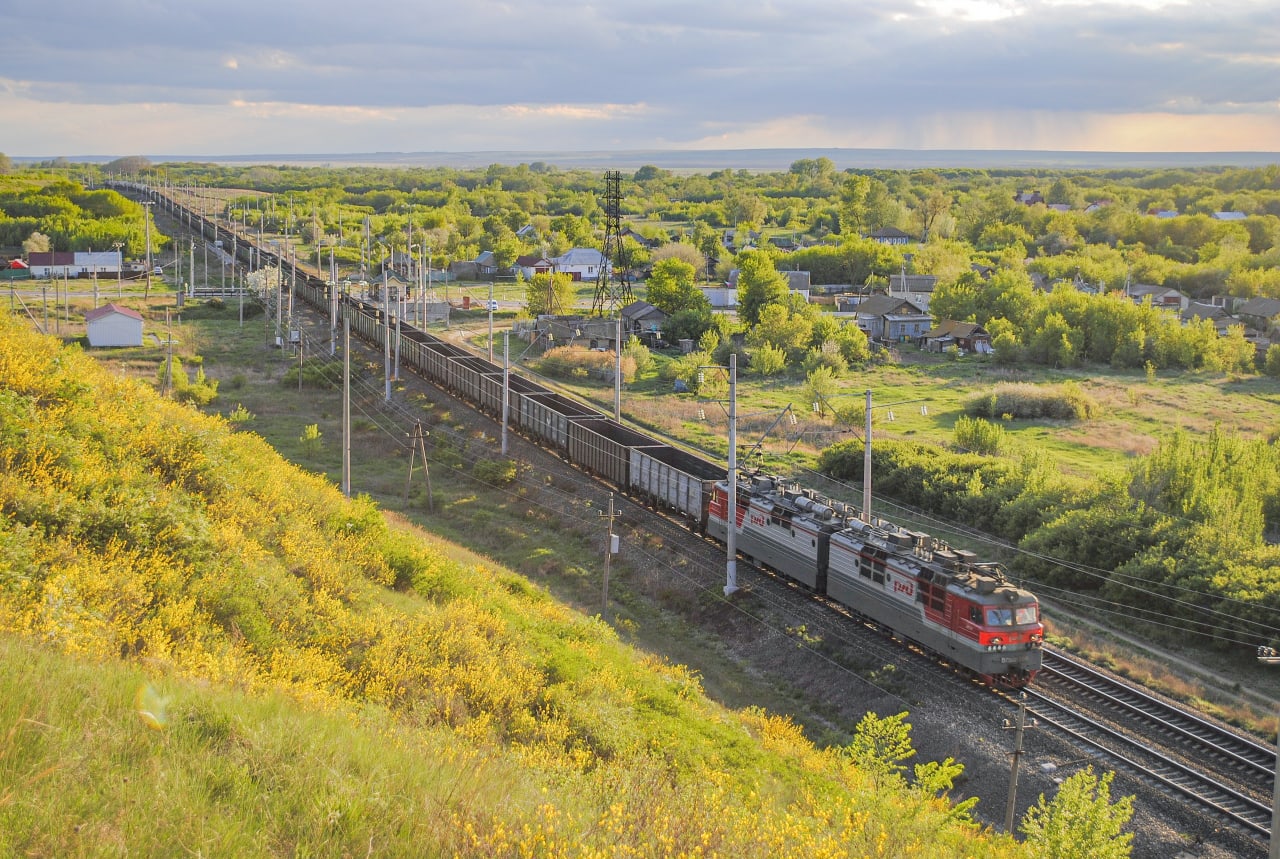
(1181, 540)
(208, 650)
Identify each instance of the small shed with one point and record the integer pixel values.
(113, 325)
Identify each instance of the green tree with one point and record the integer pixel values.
(1272, 365)
(707, 241)
(671, 287)
(639, 353)
(781, 328)
(546, 293)
(881, 746)
(1080, 821)
(505, 252)
(6, 164)
(759, 285)
(820, 385)
(310, 440)
(768, 360)
(853, 344)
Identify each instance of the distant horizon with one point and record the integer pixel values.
(759, 159)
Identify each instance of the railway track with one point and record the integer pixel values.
(1252, 759)
(1184, 753)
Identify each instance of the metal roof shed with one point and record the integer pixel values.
(113, 325)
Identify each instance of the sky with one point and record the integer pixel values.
(148, 77)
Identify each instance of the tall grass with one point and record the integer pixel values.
(214, 652)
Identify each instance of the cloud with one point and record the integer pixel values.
(798, 73)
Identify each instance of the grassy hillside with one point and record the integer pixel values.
(208, 650)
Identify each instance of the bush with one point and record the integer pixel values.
(979, 436)
(638, 353)
(768, 360)
(315, 374)
(1026, 401)
(828, 357)
(1272, 365)
(577, 362)
(496, 472)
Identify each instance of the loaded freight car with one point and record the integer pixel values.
(669, 477)
(602, 446)
(465, 375)
(547, 416)
(518, 390)
(436, 354)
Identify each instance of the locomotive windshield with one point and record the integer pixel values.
(999, 617)
(1018, 615)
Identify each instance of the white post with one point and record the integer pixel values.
(866, 465)
(386, 348)
(346, 406)
(1275, 807)
(608, 558)
(617, 371)
(731, 565)
(506, 385)
(396, 369)
(490, 322)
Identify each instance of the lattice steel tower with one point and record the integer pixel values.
(612, 295)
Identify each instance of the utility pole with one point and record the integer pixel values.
(866, 464)
(168, 366)
(491, 306)
(617, 371)
(386, 347)
(395, 374)
(417, 442)
(1011, 804)
(1268, 656)
(146, 217)
(506, 385)
(610, 549)
(346, 406)
(731, 565)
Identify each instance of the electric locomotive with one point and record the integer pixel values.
(967, 612)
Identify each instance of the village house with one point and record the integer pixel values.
(1222, 320)
(582, 263)
(1161, 296)
(1261, 314)
(890, 236)
(531, 264)
(918, 288)
(641, 319)
(889, 318)
(966, 336)
(49, 264)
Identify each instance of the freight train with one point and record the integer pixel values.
(966, 612)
